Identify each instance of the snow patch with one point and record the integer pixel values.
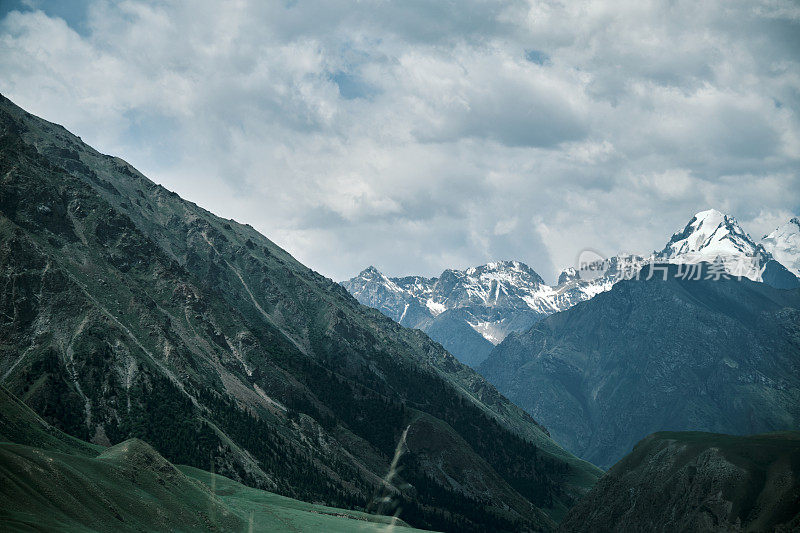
(435, 307)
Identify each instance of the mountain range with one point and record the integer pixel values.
(470, 311)
(164, 368)
(128, 312)
(718, 355)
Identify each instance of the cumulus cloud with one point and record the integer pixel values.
(420, 135)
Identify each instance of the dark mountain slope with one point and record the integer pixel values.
(720, 356)
(20, 425)
(452, 330)
(51, 481)
(701, 482)
(126, 311)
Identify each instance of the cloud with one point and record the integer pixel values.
(418, 136)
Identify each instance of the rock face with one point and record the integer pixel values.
(652, 355)
(784, 245)
(697, 482)
(470, 311)
(128, 312)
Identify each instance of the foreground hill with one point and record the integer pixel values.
(698, 482)
(126, 311)
(51, 481)
(653, 355)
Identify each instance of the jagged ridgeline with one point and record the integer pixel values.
(126, 311)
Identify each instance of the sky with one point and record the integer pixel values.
(422, 135)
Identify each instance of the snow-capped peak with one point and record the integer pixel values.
(784, 245)
(370, 272)
(372, 277)
(567, 275)
(504, 296)
(494, 298)
(509, 272)
(711, 234)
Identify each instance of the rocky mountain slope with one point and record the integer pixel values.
(652, 355)
(51, 481)
(784, 245)
(126, 311)
(698, 482)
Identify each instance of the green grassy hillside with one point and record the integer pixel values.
(272, 512)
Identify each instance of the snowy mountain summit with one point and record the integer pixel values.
(784, 245)
(711, 236)
(469, 311)
(710, 233)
